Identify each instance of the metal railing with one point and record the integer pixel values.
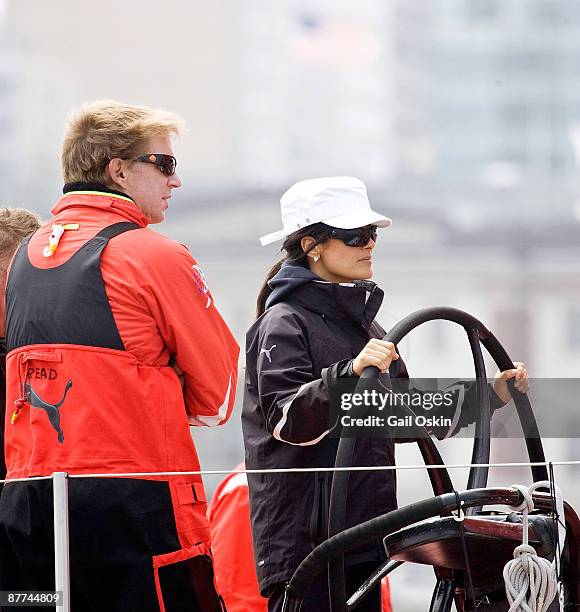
(61, 501)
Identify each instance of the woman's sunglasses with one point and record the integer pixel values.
(356, 237)
(165, 163)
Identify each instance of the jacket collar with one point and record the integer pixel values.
(96, 195)
(92, 186)
(358, 301)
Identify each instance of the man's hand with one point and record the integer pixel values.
(500, 383)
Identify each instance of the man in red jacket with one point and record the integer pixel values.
(115, 347)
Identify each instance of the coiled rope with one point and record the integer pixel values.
(531, 582)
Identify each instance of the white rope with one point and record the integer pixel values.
(531, 582)
(374, 468)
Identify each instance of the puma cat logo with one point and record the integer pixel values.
(51, 409)
(268, 351)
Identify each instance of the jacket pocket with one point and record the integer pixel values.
(184, 580)
(318, 524)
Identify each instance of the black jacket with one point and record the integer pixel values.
(305, 340)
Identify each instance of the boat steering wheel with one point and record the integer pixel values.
(443, 489)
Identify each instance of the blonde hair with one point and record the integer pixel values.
(102, 130)
(15, 225)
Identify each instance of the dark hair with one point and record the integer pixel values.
(319, 231)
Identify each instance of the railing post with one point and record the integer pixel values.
(61, 538)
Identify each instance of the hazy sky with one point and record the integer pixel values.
(2, 7)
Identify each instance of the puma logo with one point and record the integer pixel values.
(268, 351)
(201, 283)
(51, 409)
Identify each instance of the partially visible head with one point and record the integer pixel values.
(15, 225)
(103, 142)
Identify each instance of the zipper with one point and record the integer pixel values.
(318, 524)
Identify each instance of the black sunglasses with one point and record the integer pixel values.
(165, 163)
(356, 237)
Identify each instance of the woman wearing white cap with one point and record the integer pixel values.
(316, 324)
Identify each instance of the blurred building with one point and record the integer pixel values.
(179, 56)
(316, 90)
(497, 84)
(10, 151)
(270, 92)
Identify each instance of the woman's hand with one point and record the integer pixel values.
(500, 383)
(378, 353)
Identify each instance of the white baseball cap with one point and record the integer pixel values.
(338, 201)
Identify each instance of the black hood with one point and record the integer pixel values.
(290, 276)
(359, 300)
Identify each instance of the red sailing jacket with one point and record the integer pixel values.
(231, 538)
(85, 407)
(233, 557)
